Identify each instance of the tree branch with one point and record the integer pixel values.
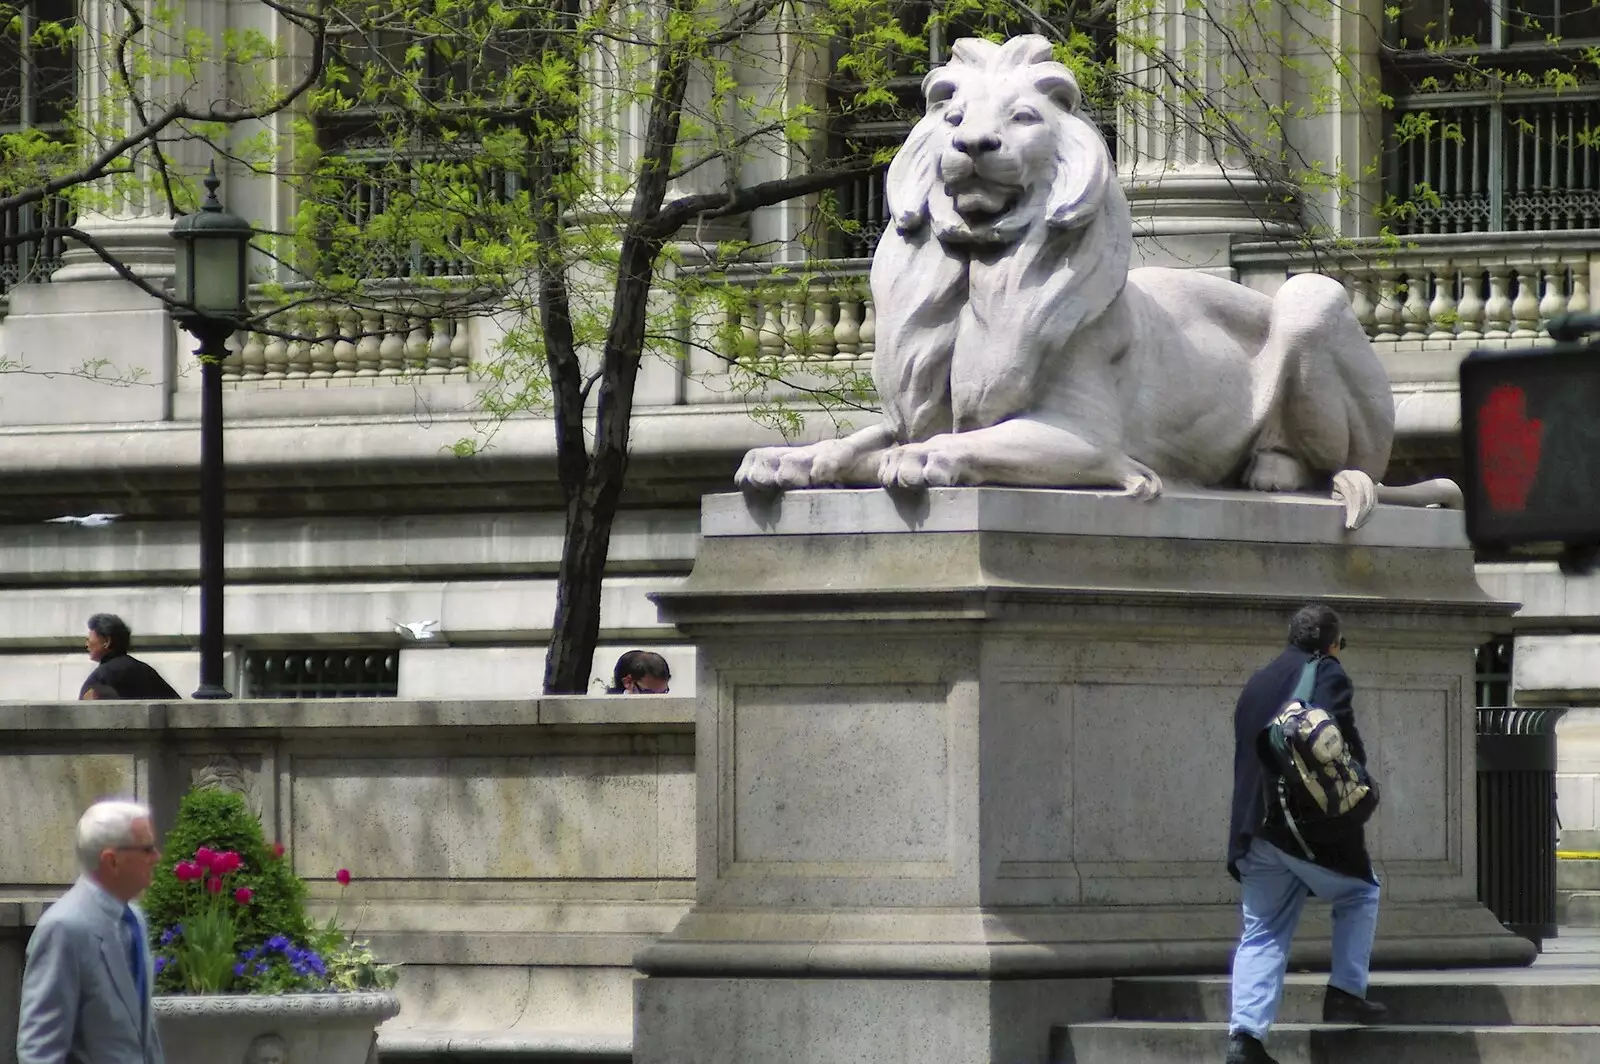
(673, 216)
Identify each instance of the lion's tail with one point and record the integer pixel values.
(1437, 492)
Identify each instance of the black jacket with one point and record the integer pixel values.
(1339, 848)
(130, 677)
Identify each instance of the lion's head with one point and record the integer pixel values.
(1029, 239)
(1003, 145)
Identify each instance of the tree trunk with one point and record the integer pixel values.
(569, 660)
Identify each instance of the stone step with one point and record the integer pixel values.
(1414, 999)
(1578, 908)
(1580, 839)
(1122, 1042)
(1576, 874)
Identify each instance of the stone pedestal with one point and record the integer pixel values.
(962, 756)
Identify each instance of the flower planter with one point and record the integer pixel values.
(324, 1028)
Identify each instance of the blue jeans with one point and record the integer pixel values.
(1275, 889)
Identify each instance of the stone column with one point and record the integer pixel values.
(962, 757)
(1199, 94)
(88, 314)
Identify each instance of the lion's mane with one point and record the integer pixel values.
(965, 329)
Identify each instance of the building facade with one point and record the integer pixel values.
(350, 515)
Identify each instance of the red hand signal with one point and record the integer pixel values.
(1508, 448)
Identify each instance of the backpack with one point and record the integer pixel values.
(1311, 773)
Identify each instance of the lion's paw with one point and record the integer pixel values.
(776, 469)
(1359, 494)
(1141, 483)
(920, 465)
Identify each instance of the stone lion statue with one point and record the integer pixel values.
(1015, 346)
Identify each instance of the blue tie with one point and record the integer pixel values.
(135, 953)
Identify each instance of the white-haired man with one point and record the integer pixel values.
(86, 987)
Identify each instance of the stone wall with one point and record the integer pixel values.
(513, 854)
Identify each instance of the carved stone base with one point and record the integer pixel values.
(984, 736)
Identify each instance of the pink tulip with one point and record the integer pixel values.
(214, 885)
(343, 876)
(228, 862)
(243, 895)
(186, 870)
(205, 857)
(277, 849)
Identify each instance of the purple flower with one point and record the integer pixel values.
(277, 943)
(238, 969)
(162, 963)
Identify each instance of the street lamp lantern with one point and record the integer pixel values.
(209, 288)
(213, 255)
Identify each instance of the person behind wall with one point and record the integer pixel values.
(1275, 875)
(118, 672)
(88, 975)
(640, 672)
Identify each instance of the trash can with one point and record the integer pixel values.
(1517, 818)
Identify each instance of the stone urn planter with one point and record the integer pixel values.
(322, 1028)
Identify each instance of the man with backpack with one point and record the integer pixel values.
(1301, 795)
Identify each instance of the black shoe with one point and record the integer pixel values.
(1339, 1006)
(1245, 1049)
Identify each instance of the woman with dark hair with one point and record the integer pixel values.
(116, 671)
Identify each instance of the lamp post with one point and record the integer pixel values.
(209, 287)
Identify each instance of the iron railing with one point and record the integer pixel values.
(1482, 162)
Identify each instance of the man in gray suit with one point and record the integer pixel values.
(86, 987)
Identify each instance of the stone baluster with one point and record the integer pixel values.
(417, 345)
(1554, 303)
(1497, 309)
(821, 339)
(869, 327)
(847, 334)
(461, 346)
(1579, 302)
(749, 328)
(796, 339)
(439, 346)
(253, 356)
(1469, 311)
(275, 352)
(322, 323)
(1386, 315)
(233, 361)
(1360, 290)
(771, 328)
(297, 359)
(392, 348)
(369, 346)
(1414, 313)
(1525, 307)
(1441, 311)
(345, 361)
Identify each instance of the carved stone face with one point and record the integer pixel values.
(997, 147)
(997, 155)
(267, 1049)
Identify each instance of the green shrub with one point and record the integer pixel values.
(250, 935)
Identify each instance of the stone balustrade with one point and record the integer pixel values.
(428, 336)
(822, 310)
(1450, 289)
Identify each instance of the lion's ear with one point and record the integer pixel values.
(911, 178)
(1083, 172)
(1057, 83)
